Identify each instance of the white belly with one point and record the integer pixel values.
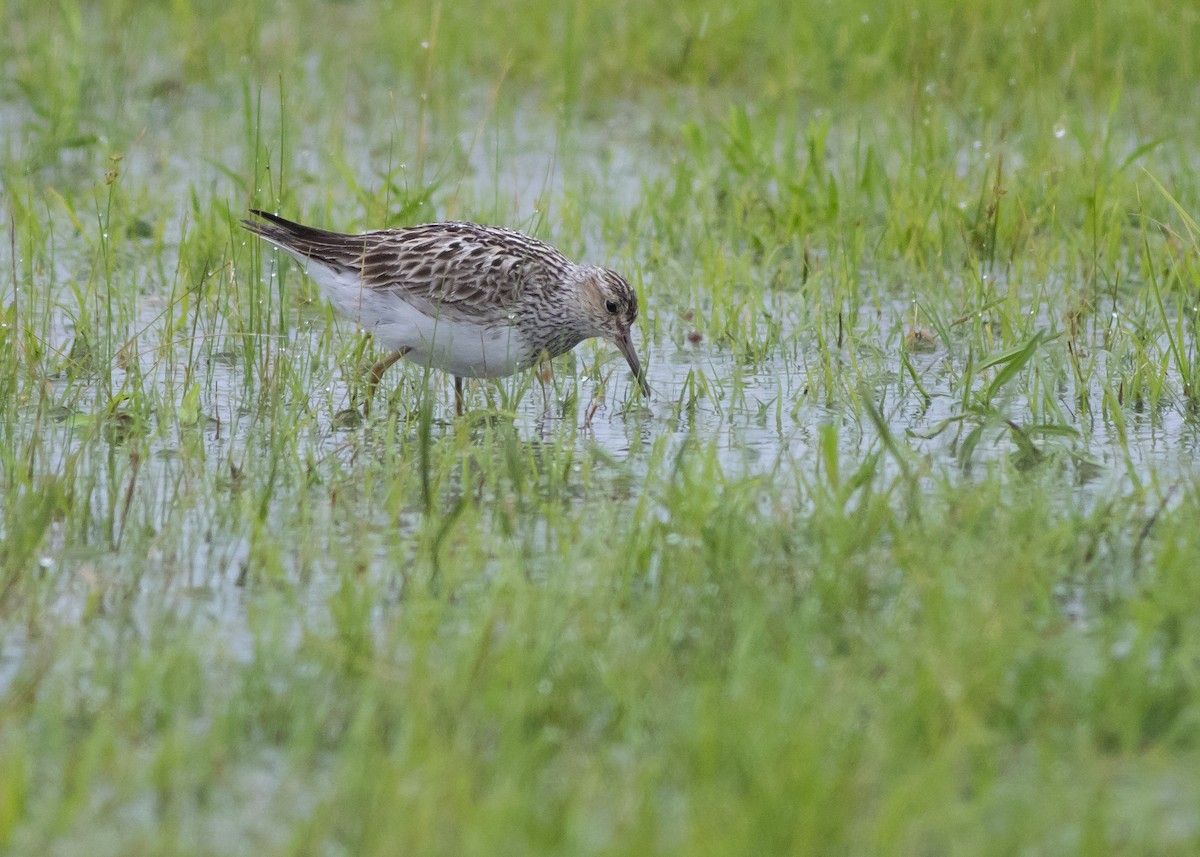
(468, 350)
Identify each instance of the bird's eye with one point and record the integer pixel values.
(611, 306)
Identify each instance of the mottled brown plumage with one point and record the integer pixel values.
(476, 301)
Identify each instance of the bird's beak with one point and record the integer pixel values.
(625, 343)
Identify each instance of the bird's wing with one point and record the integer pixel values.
(479, 272)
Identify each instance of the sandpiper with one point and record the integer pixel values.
(474, 301)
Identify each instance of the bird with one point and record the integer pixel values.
(474, 301)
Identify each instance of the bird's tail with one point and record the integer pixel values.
(308, 242)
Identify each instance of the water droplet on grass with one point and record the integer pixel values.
(347, 420)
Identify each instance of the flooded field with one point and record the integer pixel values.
(898, 556)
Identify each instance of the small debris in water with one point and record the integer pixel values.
(118, 426)
(920, 340)
(347, 419)
(140, 228)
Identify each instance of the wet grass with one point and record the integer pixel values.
(899, 558)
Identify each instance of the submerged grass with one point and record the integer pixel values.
(898, 559)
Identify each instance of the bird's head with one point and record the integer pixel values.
(612, 307)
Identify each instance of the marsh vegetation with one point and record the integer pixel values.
(900, 558)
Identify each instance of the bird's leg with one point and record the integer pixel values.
(458, 395)
(545, 376)
(377, 373)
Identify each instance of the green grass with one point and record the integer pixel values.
(899, 559)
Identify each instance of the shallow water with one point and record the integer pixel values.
(518, 167)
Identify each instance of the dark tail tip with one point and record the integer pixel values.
(258, 227)
(273, 219)
(281, 228)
